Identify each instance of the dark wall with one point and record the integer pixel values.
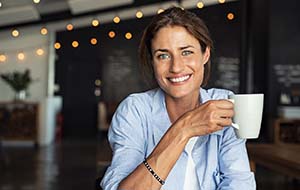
(284, 57)
(226, 35)
(284, 43)
(270, 45)
(254, 65)
(119, 59)
(76, 72)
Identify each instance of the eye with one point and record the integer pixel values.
(186, 52)
(163, 56)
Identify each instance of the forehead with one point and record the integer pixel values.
(173, 35)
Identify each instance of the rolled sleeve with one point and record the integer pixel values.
(234, 164)
(127, 140)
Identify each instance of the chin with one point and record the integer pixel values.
(177, 94)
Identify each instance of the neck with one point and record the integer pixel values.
(177, 107)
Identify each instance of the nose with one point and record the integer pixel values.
(177, 64)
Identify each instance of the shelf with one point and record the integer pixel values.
(287, 131)
(19, 121)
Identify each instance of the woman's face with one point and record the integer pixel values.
(178, 61)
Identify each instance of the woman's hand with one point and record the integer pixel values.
(207, 118)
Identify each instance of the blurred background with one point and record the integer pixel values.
(65, 65)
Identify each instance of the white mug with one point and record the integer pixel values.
(248, 109)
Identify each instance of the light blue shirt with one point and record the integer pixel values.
(139, 123)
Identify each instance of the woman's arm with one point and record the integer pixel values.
(161, 160)
(234, 164)
(206, 119)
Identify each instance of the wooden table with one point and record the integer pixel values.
(284, 159)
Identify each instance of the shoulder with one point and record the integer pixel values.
(139, 102)
(130, 117)
(142, 97)
(218, 93)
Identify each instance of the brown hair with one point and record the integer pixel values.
(173, 16)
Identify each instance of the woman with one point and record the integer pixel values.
(177, 136)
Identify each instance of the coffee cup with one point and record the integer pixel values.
(248, 109)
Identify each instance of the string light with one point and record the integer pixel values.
(2, 58)
(200, 5)
(97, 82)
(97, 92)
(15, 33)
(40, 51)
(230, 16)
(116, 19)
(70, 27)
(128, 35)
(95, 22)
(160, 11)
(111, 34)
(75, 44)
(44, 31)
(21, 56)
(93, 41)
(57, 45)
(139, 14)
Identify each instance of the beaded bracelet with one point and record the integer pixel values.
(153, 173)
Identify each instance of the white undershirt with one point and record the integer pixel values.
(190, 181)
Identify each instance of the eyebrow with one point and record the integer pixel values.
(185, 47)
(162, 50)
(166, 50)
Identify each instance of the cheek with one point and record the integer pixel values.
(195, 63)
(159, 78)
(199, 70)
(159, 68)
(157, 72)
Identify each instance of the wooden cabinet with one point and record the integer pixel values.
(19, 121)
(287, 131)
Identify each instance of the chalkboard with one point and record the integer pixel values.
(287, 75)
(225, 73)
(120, 76)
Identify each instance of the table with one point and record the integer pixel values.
(284, 159)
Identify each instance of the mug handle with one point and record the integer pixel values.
(234, 125)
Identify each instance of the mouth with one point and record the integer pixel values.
(179, 79)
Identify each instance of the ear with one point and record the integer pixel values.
(206, 55)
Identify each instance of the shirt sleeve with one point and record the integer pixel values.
(127, 142)
(234, 164)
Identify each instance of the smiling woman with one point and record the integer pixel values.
(178, 135)
(178, 62)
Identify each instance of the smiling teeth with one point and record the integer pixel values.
(180, 79)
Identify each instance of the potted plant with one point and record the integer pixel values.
(19, 82)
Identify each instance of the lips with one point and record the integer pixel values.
(179, 79)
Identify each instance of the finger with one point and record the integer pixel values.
(224, 104)
(225, 113)
(224, 121)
